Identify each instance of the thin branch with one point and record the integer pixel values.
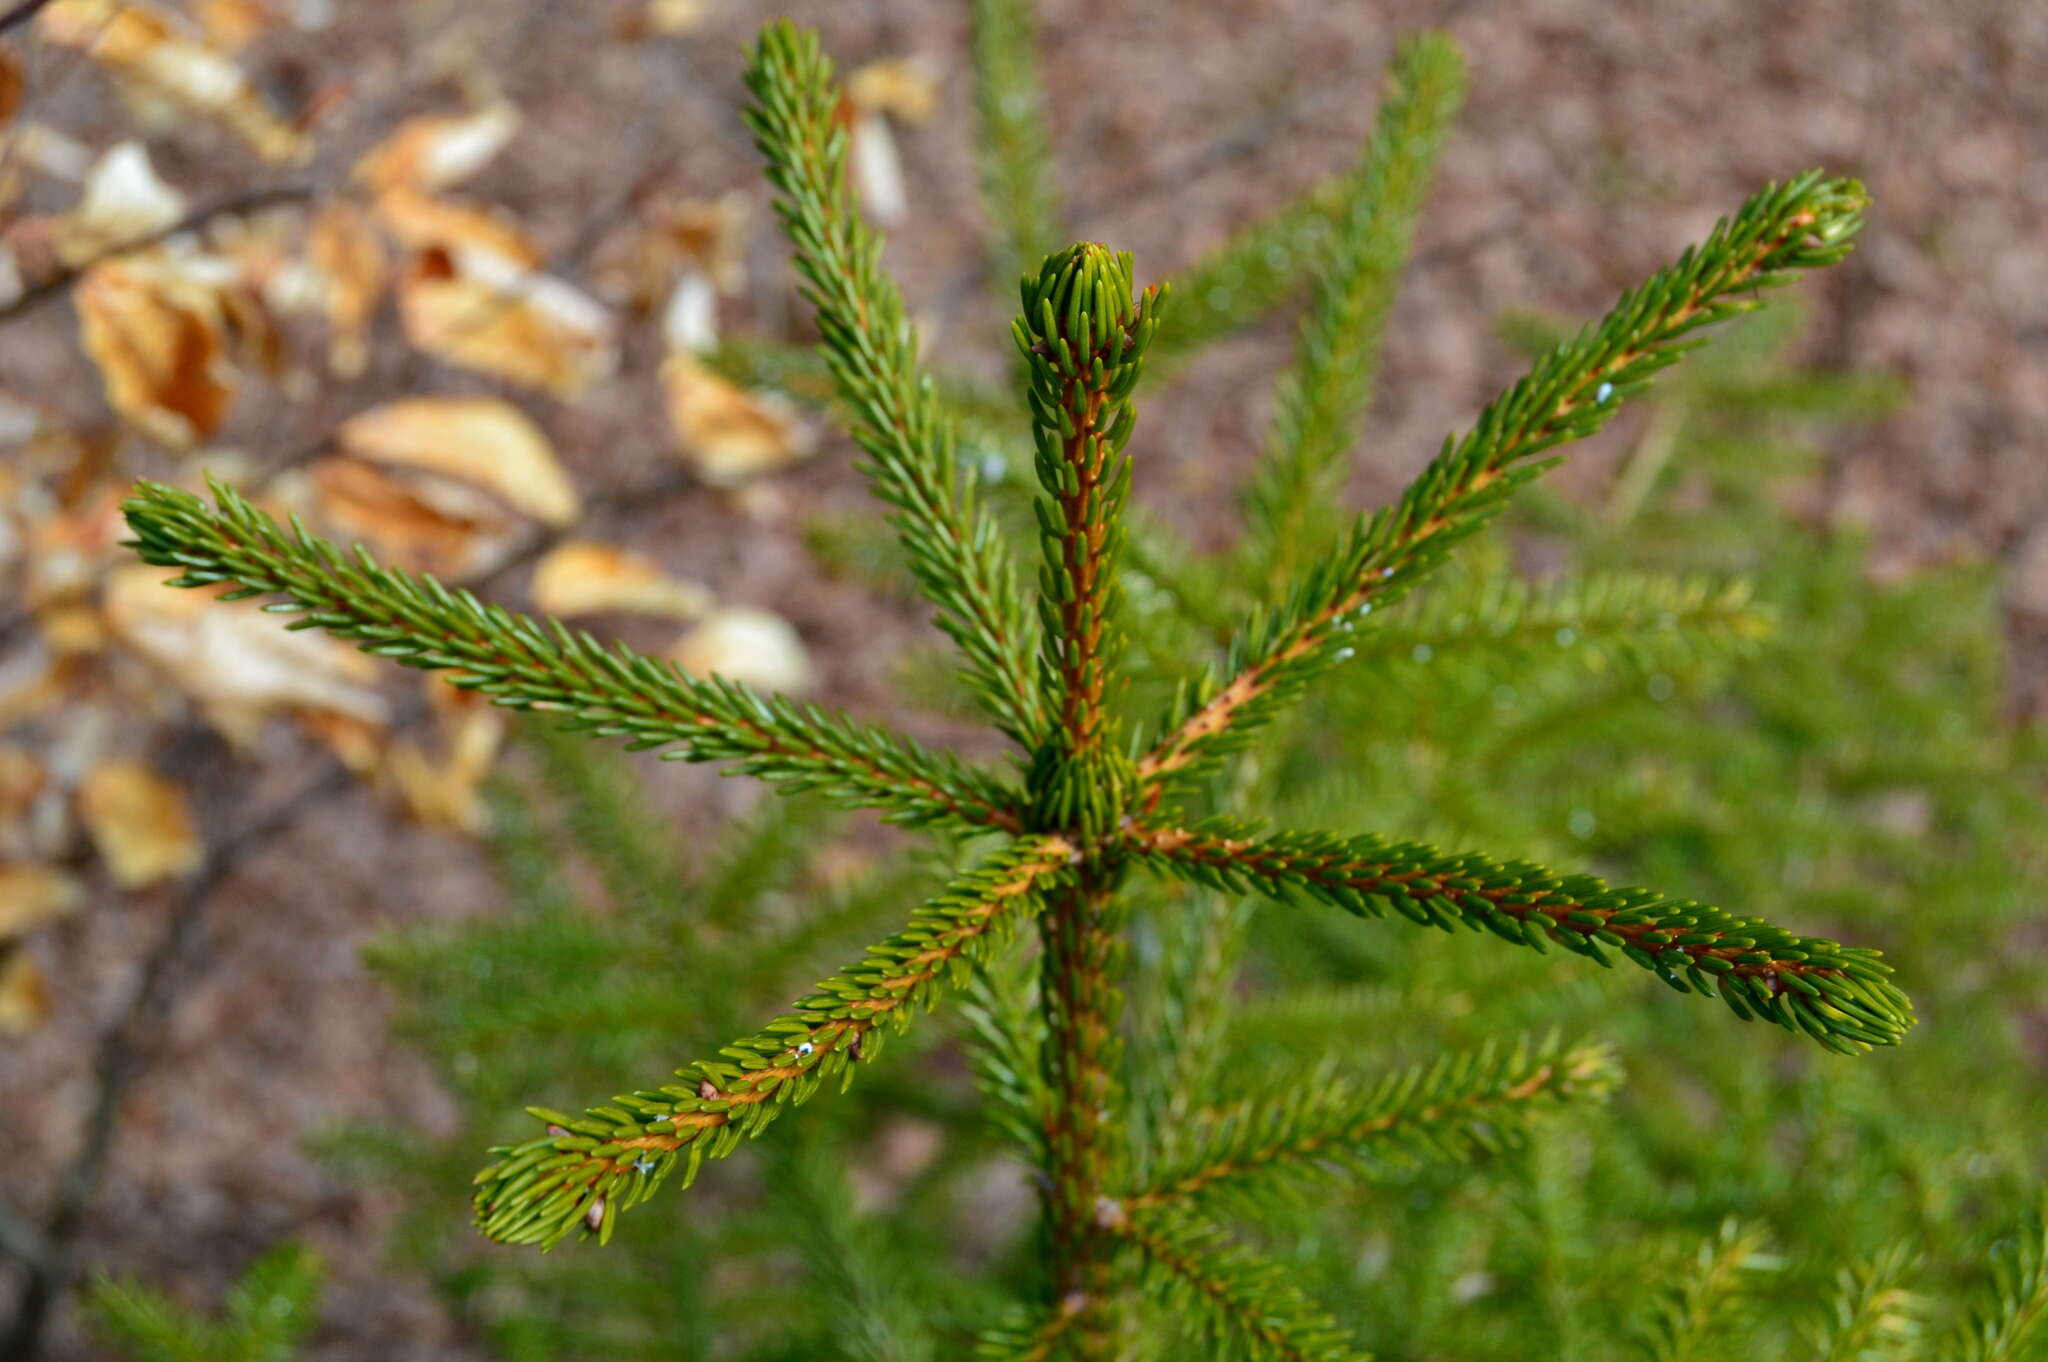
(587, 1169)
(1570, 394)
(522, 664)
(1842, 996)
(20, 14)
(249, 201)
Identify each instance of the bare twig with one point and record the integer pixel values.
(20, 14)
(249, 201)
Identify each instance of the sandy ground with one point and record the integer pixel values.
(1598, 139)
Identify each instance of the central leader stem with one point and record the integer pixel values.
(1083, 954)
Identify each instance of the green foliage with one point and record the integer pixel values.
(1012, 142)
(1602, 718)
(263, 1318)
(1240, 1152)
(1317, 406)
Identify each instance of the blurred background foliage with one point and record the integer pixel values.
(1692, 666)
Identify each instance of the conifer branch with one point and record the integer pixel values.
(1873, 1317)
(1082, 335)
(1638, 619)
(1464, 1104)
(1842, 996)
(1255, 271)
(588, 1169)
(2001, 1328)
(1570, 394)
(1692, 1317)
(955, 551)
(1013, 145)
(1244, 1306)
(523, 664)
(1320, 398)
(1032, 1336)
(1008, 1042)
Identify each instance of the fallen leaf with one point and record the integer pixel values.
(24, 997)
(878, 169)
(583, 577)
(346, 253)
(33, 895)
(124, 202)
(471, 293)
(670, 17)
(139, 823)
(480, 440)
(358, 744)
(32, 679)
(152, 48)
(170, 335)
(711, 236)
(69, 546)
(232, 25)
(13, 85)
(526, 327)
(416, 521)
(689, 320)
(436, 151)
(443, 788)
(727, 433)
(902, 87)
(474, 238)
(757, 647)
(233, 658)
(678, 243)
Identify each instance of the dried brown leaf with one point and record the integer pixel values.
(758, 647)
(139, 824)
(13, 86)
(153, 49)
(347, 254)
(480, 440)
(124, 202)
(583, 577)
(729, 434)
(171, 334)
(33, 895)
(24, 997)
(435, 151)
(233, 659)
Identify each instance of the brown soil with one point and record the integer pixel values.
(1598, 139)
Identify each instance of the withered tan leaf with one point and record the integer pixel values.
(124, 202)
(727, 433)
(153, 48)
(473, 237)
(670, 17)
(756, 646)
(418, 521)
(471, 292)
(435, 151)
(169, 334)
(13, 86)
(139, 824)
(584, 577)
(443, 786)
(233, 659)
(902, 87)
(24, 997)
(34, 895)
(347, 254)
(529, 328)
(484, 441)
